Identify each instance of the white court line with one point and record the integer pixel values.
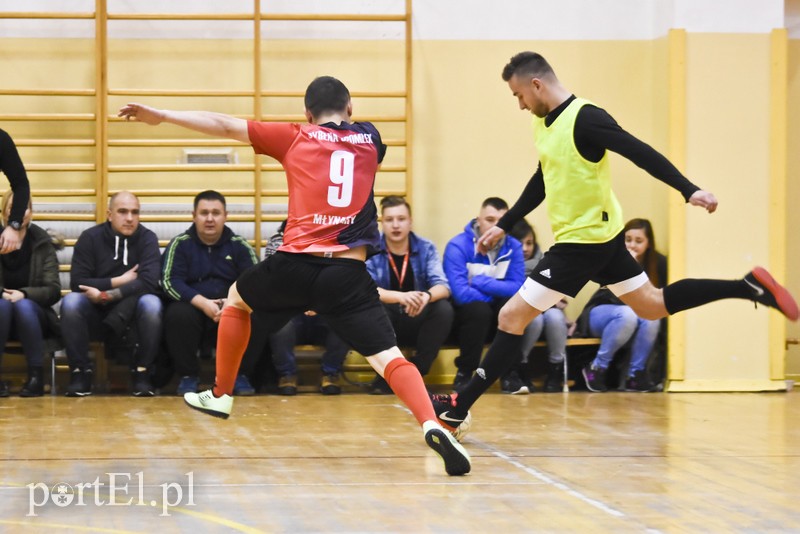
(544, 478)
(558, 485)
(459, 482)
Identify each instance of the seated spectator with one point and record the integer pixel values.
(198, 267)
(412, 287)
(481, 284)
(30, 287)
(304, 329)
(553, 322)
(114, 281)
(616, 324)
(307, 329)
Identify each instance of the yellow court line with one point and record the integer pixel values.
(62, 526)
(200, 515)
(219, 520)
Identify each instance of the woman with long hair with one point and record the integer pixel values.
(616, 324)
(30, 286)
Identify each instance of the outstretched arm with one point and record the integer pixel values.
(704, 199)
(207, 122)
(596, 131)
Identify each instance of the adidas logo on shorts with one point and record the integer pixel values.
(545, 273)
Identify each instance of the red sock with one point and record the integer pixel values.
(406, 382)
(233, 334)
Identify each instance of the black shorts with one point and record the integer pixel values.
(339, 289)
(567, 267)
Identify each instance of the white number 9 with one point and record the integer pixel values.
(341, 194)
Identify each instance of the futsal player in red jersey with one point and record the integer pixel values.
(330, 166)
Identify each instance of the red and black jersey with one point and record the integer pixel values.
(330, 170)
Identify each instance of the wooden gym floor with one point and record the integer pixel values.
(577, 462)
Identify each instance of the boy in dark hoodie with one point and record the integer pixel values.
(114, 281)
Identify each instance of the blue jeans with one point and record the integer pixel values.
(308, 330)
(23, 320)
(554, 324)
(82, 322)
(615, 325)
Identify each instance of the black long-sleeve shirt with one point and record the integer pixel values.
(101, 254)
(595, 132)
(11, 165)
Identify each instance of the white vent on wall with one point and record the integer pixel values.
(209, 156)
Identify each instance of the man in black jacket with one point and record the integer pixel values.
(198, 267)
(114, 280)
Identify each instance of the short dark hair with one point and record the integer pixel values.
(495, 202)
(326, 94)
(209, 194)
(393, 201)
(528, 63)
(521, 229)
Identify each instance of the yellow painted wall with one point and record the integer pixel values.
(728, 154)
(472, 141)
(229, 65)
(50, 64)
(793, 196)
(211, 65)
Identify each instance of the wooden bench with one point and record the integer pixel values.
(165, 219)
(166, 226)
(15, 366)
(356, 371)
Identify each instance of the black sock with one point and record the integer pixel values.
(502, 355)
(691, 293)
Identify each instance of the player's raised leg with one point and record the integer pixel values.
(758, 286)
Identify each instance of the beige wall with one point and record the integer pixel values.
(470, 139)
(199, 65)
(727, 153)
(793, 197)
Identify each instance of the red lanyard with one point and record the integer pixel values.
(402, 275)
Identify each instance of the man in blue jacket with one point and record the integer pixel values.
(114, 281)
(412, 287)
(481, 284)
(198, 267)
